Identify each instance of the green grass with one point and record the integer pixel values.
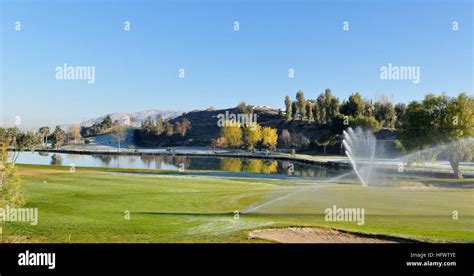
(89, 206)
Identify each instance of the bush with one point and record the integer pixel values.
(365, 123)
(12, 191)
(338, 123)
(399, 146)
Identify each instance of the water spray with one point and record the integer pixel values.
(360, 147)
(296, 192)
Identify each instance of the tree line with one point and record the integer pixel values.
(248, 136)
(326, 109)
(436, 120)
(157, 126)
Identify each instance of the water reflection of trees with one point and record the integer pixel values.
(204, 163)
(260, 166)
(147, 160)
(303, 170)
(269, 166)
(249, 165)
(130, 159)
(159, 163)
(231, 164)
(104, 159)
(56, 160)
(308, 171)
(177, 160)
(165, 159)
(73, 157)
(212, 163)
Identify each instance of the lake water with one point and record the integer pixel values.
(167, 162)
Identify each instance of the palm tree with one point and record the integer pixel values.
(45, 131)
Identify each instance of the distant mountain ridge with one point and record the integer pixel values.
(135, 118)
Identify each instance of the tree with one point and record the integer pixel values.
(321, 101)
(148, 124)
(11, 187)
(252, 135)
(12, 134)
(182, 127)
(365, 123)
(232, 134)
(399, 112)
(244, 108)
(74, 132)
(27, 140)
(316, 113)
(169, 129)
(153, 125)
(107, 122)
(218, 143)
(301, 103)
(269, 138)
(441, 120)
(178, 128)
(299, 140)
(21, 141)
(3, 134)
(368, 108)
(159, 127)
(97, 128)
(44, 131)
(327, 104)
(354, 106)
(300, 96)
(288, 107)
(328, 107)
(119, 134)
(340, 122)
(385, 113)
(58, 137)
(303, 109)
(324, 141)
(416, 124)
(285, 137)
(333, 108)
(309, 111)
(459, 126)
(304, 140)
(294, 109)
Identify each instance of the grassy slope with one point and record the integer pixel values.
(89, 206)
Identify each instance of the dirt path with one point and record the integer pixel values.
(316, 235)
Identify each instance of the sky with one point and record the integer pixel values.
(138, 69)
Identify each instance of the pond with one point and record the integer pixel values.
(168, 162)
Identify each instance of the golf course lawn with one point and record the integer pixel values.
(90, 205)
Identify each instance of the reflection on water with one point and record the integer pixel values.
(169, 162)
(56, 159)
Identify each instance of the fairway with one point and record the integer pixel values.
(95, 205)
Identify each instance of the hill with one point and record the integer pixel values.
(204, 127)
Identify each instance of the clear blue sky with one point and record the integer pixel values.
(138, 70)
